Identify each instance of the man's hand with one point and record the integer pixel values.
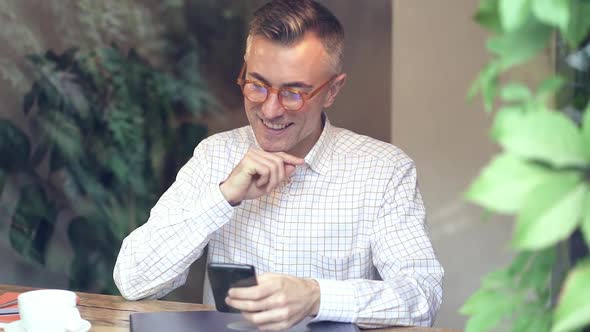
(258, 174)
(278, 301)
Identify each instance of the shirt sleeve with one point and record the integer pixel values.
(410, 292)
(155, 258)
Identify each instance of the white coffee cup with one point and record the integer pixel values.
(49, 310)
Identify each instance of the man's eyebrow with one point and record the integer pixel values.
(286, 85)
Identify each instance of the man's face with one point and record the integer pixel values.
(303, 66)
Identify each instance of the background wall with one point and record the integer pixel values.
(437, 52)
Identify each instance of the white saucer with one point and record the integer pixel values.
(16, 326)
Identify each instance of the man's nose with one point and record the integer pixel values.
(272, 108)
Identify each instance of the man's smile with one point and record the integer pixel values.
(275, 126)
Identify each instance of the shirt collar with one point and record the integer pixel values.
(317, 158)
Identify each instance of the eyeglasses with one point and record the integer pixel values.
(290, 99)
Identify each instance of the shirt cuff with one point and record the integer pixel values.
(216, 208)
(337, 301)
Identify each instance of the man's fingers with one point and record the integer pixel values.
(269, 167)
(290, 159)
(260, 173)
(280, 166)
(277, 165)
(269, 318)
(246, 305)
(254, 293)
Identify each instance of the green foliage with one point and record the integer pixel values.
(586, 132)
(488, 15)
(574, 308)
(552, 213)
(33, 223)
(543, 174)
(106, 127)
(114, 130)
(553, 12)
(521, 44)
(585, 228)
(578, 24)
(544, 136)
(506, 183)
(517, 293)
(513, 13)
(13, 139)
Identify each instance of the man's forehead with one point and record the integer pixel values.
(306, 55)
(309, 42)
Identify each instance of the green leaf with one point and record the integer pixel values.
(15, 147)
(579, 24)
(56, 160)
(3, 177)
(550, 85)
(488, 15)
(537, 273)
(40, 153)
(519, 263)
(552, 213)
(30, 98)
(119, 218)
(64, 132)
(500, 279)
(487, 308)
(504, 121)
(505, 183)
(95, 253)
(545, 136)
(553, 12)
(515, 92)
(520, 45)
(513, 13)
(84, 236)
(190, 134)
(586, 132)
(486, 82)
(532, 317)
(481, 299)
(573, 309)
(33, 223)
(586, 220)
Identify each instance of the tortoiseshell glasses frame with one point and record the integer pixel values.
(291, 99)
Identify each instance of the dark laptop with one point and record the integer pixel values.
(214, 321)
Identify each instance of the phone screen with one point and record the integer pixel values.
(224, 276)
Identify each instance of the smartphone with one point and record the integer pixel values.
(224, 276)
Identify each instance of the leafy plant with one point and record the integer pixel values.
(106, 133)
(104, 130)
(543, 174)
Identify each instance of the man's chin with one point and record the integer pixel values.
(273, 149)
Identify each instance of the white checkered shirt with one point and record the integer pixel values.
(351, 218)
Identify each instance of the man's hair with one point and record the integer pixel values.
(287, 21)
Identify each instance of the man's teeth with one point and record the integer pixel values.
(274, 126)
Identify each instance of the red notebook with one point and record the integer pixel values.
(6, 297)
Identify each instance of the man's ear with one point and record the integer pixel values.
(334, 89)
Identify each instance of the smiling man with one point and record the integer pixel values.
(332, 221)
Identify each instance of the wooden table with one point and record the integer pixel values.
(109, 313)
